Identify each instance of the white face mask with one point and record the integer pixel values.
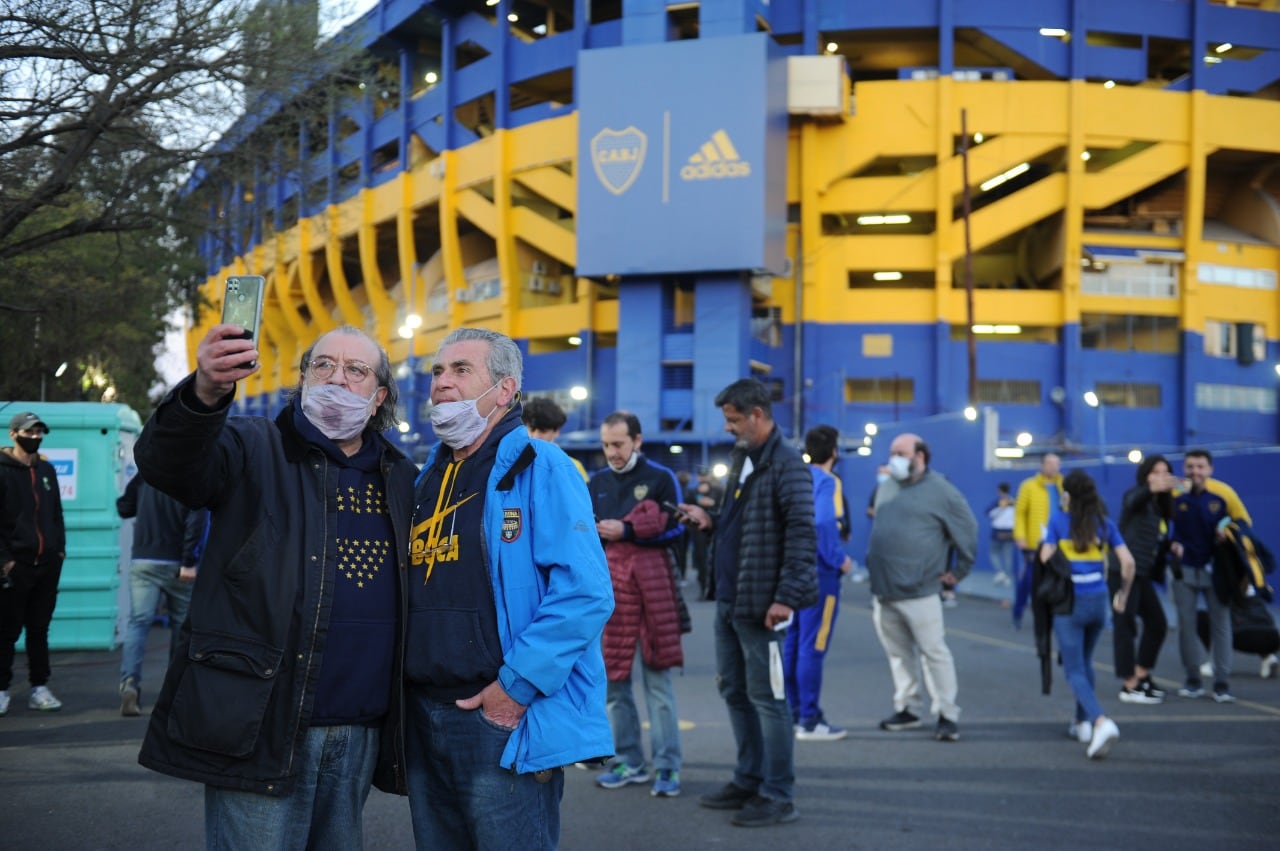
(458, 424)
(900, 468)
(336, 411)
(627, 467)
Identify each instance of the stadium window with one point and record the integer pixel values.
(1126, 394)
(996, 391)
(879, 391)
(1129, 333)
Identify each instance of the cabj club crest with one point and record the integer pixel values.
(511, 524)
(618, 156)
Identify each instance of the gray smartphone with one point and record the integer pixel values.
(242, 305)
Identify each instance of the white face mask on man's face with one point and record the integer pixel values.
(459, 424)
(336, 411)
(900, 468)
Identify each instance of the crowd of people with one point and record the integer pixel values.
(462, 632)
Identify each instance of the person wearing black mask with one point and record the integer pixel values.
(33, 543)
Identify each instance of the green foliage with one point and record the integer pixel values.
(109, 107)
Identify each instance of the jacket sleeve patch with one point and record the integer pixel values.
(512, 525)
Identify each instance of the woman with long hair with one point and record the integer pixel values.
(1084, 533)
(1146, 522)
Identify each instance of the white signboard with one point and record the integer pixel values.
(67, 463)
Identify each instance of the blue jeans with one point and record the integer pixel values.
(749, 673)
(335, 772)
(460, 796)
(806, 649)
(664, 722)
(1077, 635)
(147, 580)
(1005, 558)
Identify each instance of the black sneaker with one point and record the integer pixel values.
(762, 812)
(947, 730)
(1222, 693)
(1149, 686)
(1139, 695)
(899, 721)
(731, 797)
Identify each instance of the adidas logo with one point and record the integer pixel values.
(716, 159)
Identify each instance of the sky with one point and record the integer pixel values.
(171, 362)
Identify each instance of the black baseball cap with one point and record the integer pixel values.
(25, 421)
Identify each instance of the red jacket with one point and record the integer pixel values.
(644, 592)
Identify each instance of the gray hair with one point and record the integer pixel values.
(504, 359)
(383, 418)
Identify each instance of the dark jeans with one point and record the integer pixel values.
(749, 672)
(1143, 602)
(460, 796)
(29, 603)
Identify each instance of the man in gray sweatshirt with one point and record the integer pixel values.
(924, 538)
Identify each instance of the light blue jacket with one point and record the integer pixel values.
(553, 596)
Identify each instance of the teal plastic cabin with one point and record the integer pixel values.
(91, 446)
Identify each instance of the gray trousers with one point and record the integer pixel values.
(1197, 581)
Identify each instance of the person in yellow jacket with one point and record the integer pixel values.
(1039, 498)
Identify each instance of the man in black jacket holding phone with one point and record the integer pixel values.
(284, 697)
(765, 568)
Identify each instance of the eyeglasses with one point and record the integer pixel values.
(322, 369)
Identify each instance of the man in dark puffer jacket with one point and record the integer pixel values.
(765, 568)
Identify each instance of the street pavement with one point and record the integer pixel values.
(1186, 774)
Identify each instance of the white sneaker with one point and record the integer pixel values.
(1105, 732)
(821, 732)
(43, 700)
(1000, 579)
(1206, 669)
(1270, 664)
(4, 703)
(1081, 731)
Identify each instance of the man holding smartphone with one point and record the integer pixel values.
(284, 695)
(633, 500)
(764, 570)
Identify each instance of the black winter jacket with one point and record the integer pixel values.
(778, 552)
(31, 526)
(1140, 527)
(165, 529)
(237, 699)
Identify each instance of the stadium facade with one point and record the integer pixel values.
(658, 198)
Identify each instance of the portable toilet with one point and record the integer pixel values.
(91, 446)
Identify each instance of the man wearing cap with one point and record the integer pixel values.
(33, 542)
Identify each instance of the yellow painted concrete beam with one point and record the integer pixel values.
(380, 301)
(551, 183)
(1133, 174)
(875, 252)
(545, 235)
(308, 276)
(338, 284)
(1013, 213)
(450, 248)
